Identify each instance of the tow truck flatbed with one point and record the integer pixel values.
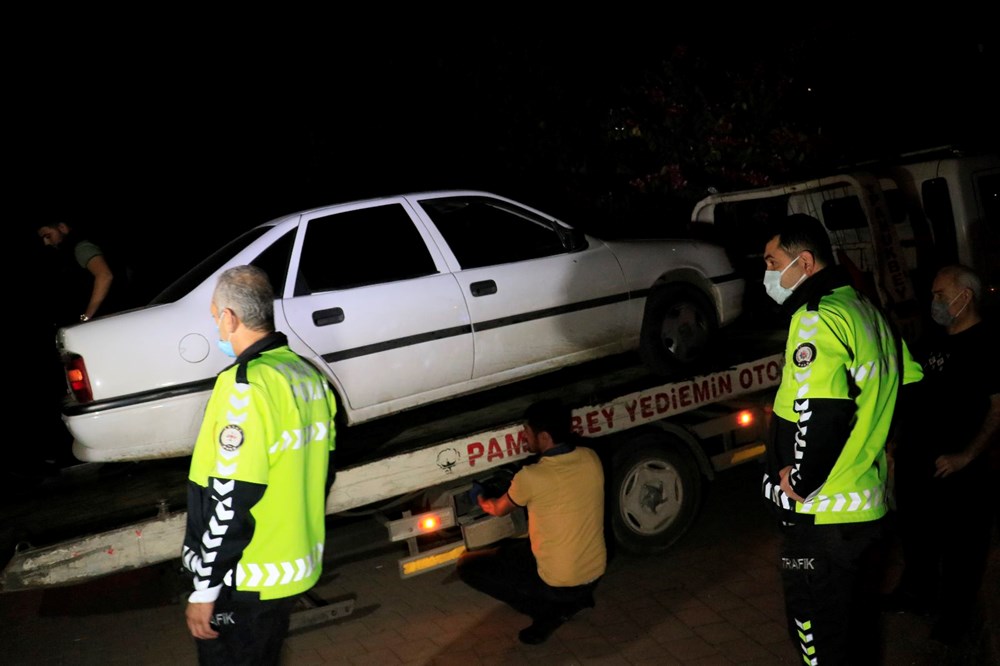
(114, 516)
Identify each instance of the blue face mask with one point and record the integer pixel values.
(226, 346)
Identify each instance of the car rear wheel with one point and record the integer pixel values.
(678, 330)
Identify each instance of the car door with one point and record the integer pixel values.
(538, 293)
(377, 303)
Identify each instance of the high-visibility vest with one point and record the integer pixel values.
(843, 348)
(275, 430)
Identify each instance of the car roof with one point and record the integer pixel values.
(421, 194)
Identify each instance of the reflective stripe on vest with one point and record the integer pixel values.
(870, 498)
(314, 432)
(250, 575)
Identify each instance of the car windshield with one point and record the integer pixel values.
(183, 285)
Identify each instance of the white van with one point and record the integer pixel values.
(895, 222)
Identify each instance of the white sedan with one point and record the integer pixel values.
(403, 301)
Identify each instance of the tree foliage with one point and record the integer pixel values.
(698, 121)
(636, 129)
(633, 132)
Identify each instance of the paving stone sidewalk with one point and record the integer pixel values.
(715, 598)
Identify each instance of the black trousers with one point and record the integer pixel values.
(251, 631)
(831, 576)
(509, 573)
(945, 529)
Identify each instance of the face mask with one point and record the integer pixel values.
(772, 283)
(226, 346)
(940, 314)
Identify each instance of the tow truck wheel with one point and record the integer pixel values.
(678, 330)
(655, 495)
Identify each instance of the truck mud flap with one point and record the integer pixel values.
(313, 612)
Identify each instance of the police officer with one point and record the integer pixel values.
(257, 484)
(826, 467)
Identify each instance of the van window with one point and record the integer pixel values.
(937, 207)
(988, 261)
(845, 212)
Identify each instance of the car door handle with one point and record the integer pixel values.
(327, 317)
(484, 288)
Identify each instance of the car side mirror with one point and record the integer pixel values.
(572, 239)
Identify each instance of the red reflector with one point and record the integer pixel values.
(745, 418)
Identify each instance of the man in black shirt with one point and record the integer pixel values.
(946, 501)
(87, 280)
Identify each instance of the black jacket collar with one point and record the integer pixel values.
(815, 287)
(272, 340)
(268, 342)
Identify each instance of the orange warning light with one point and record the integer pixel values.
(745, 418)
(429, 523)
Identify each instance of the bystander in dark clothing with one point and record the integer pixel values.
(88, 281)
(945, 497)
(81, 281)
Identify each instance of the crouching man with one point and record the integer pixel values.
(551, 575)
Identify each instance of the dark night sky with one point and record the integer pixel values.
(175, 145)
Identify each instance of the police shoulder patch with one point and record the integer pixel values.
(231, 437)
(804, 354)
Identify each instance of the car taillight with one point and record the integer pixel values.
(76, 377)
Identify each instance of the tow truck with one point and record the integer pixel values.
(661, 444)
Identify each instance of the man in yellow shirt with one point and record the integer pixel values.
(551, 575)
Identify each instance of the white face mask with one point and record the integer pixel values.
(772, 283)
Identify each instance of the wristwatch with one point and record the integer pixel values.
(84, 317)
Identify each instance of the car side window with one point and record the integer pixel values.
(361, 247)
(487, 232)
(197, 275)
(274, 261)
